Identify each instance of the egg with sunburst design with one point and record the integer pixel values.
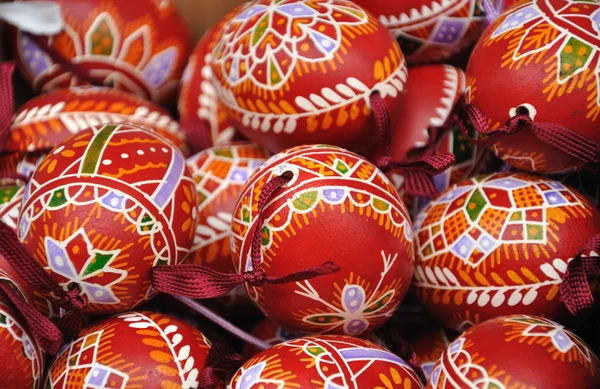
(296, 72)
(337, 207)
(326, 361)
(140, 48)
(547, 55)
(499, 244)
(105, 207)
(517, 351)
(154, 351)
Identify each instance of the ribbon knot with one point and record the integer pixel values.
(575, 289)
(221, 360)
(254, 278)
(74, 299)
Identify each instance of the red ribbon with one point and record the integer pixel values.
(421, 163)
(562, 138)
(34, 274)
(196, 281)
(220, 360)
(575, 289)
(6, 97)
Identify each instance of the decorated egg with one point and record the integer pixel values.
(302, 71)
(325, 361)
(139, 349)
(337, 207)
(21, 358)
(552, 80)
(106, 206)
(430, 30)
(140, 47)
(429, 345)
(198, 100)
(431, 94)
(11, 195)
(220, 173)
(517, 351)
(499, 244)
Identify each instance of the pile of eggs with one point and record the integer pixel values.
(141, 151)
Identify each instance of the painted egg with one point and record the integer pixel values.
(198, 99)
(301, 71)
(430, 30)
(499, 244)
(554, 79)
(106, 206)
(141, 47)
(517, 351)
(429, 346)
(337, 207)
(220, 173)
(432, 91)
(134, 349)
(21, 358)
(325, 361)
(11, 195)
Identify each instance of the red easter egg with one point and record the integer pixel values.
(11, 195)
(296, 72)
(140, 46)
(497, 245)
(553, 79)
(198, 99)
(325, 361)
(134, 349)
(21, 359)
(220, 174)
(517, 351)
(106, 206)
(337, 207)
(431, 93)
(430, 30)
(429, 346)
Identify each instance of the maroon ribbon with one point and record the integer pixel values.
(575, 289)
(421, 163)
(6, 98)
(562, 138)
(34, 274)
(220, 360)
(196, 281)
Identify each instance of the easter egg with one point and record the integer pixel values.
(220, 173)
(21, 358)
(337, 207)
(301, 71)
(553, 80)
(499, 244)
(140, 47)
(139, 349)
(325, 361)
(11, 195)
(106, 206)
(517, 351)
(429, 345)
(430, 30)
(198, 100)
(431, 94)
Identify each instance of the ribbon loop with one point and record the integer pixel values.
(575, 289)
(222, 360)
(6, 97)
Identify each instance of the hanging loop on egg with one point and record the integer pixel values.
(575, 289)
(421, 164)
(562, 138)
(197, 281)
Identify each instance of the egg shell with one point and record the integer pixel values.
(432, 91)
(497, 245)
(47, 120)
(325, 361)
(106, 206)
(139, 349)
(430, 30)
(517, 351)
(140, 46)
(198, 98)
(429, 346)
(11, 196)
(21, 358)
(220, 173)
(553, 79)
(337, 207)
(301, 72)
